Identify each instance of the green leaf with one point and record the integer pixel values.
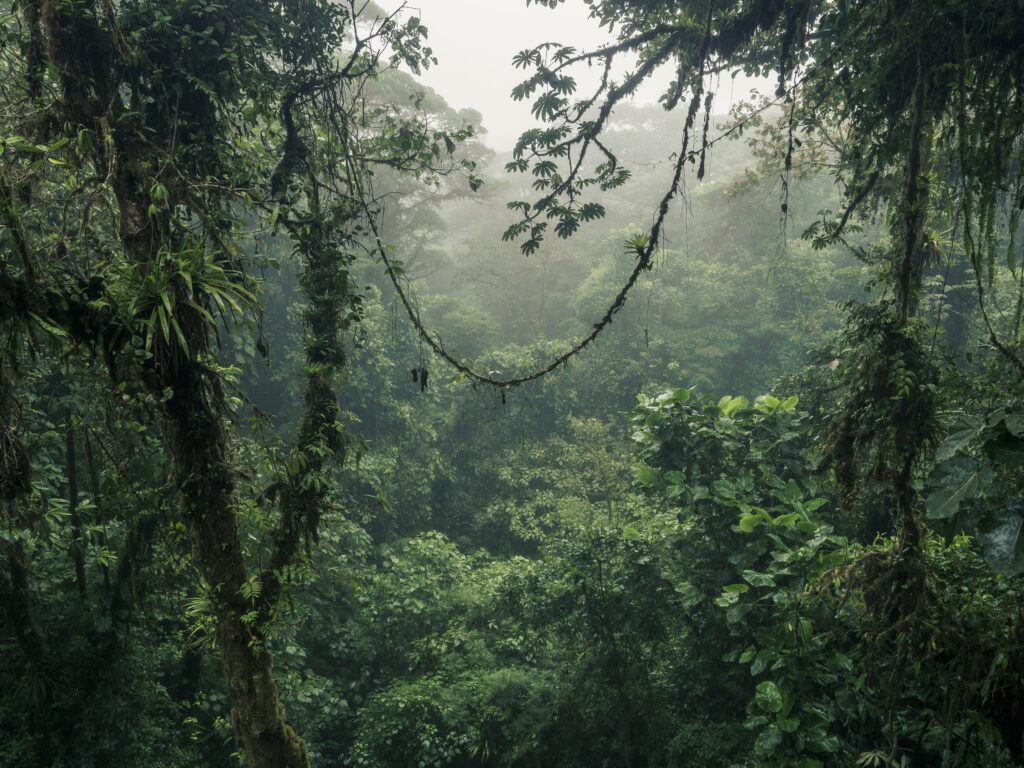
(749, 522)
(730, 406)
(675, 477)
(965, 431)
(48, 326)
(806, 630)
(788, 519)
(644, 474)
(756, 579)
(1006, 448)
(1014, 423)
(164, 324)
(768, 697)
(788, 724)
(681, 395)
(767, 742)
(181, 336)
(1001, 537)
(953, 482)
(759, 665)
(166, 299)
(689, 594)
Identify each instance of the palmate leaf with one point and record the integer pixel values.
(526, 58)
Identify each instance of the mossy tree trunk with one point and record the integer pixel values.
(199, 447)
(195, 409)
(167, 123)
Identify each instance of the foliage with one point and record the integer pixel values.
(235, 530)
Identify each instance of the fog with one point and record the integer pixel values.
(475, 40)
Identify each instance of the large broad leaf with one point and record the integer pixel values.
(952, 483)
(1001, 537)
(962, 433)
(1006, 448)
(680, 395)
(1014, 423)
(767, 742)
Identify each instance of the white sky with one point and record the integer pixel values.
(475, 40)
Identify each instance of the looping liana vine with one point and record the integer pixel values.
(644, 263)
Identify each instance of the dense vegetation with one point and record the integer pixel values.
(714, 458)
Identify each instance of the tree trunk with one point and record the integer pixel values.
(83, 54)
(204, 477)
(198, 444)
(77, 542)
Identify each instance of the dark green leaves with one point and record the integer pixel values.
(1001, 535)
(956, 481)
(768, 697)
(972, 485)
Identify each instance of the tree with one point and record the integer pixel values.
(911, 104)
(145, 145)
